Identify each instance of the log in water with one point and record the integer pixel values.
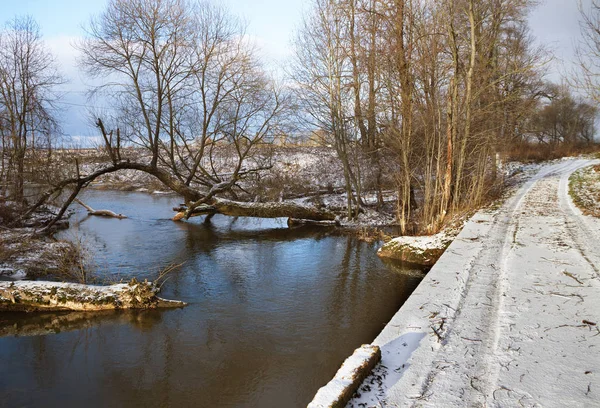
(272, 314)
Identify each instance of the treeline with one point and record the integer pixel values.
(444, 86)
(425, 95)
(28, 115)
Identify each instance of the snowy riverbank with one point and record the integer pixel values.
(507, 316)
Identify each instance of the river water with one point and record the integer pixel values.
(272, 314)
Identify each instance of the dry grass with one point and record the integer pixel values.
(74, 262)
(584, 188)
(536, 152)
(42, 257)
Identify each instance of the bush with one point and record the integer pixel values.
(537, 152)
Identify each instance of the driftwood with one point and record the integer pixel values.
(56, 296)
(261, 210)
(100, 213)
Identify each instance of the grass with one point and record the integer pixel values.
(584, 189)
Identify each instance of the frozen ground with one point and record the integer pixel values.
(509, 315)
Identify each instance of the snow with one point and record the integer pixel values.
(40, 295)
(426, 242)
(508, 315)
(12, 273)
(345, 379)
(424, 250)
(44, 286)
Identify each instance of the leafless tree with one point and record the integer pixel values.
(587, 75)
(563, 119)
(191, 95)
(28, 79)
(438, 86)
(325, 75)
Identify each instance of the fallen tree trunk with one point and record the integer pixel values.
(261, 210)
(294, 222)
(31, 296)
(101, 213)
(201, 203)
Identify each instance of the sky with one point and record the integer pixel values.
(271, 24)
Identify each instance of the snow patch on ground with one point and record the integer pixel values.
(356, 367)
(509, 314)
(12, 274)
(22, 254)
(424, 250)
(427, 242)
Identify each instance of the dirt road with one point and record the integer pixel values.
(508, 316)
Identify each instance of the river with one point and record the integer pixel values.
(272, 313)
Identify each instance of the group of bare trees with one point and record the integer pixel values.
(441, 86)
(190, 95)
(420, 95)
(186, 82)
(28, 77)
(563, 118)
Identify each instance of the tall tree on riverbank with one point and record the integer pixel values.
(439, 86)
(324, 76)
(28, 79)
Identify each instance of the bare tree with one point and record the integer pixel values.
(587, 77)
(325, 73)
(193, 98)
(563, 119)
(28, 78)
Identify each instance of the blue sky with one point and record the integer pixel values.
(271, 24)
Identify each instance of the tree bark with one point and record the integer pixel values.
(56, 296)
(261, 210)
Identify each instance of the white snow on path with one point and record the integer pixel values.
(508, 316)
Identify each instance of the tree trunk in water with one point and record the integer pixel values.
(261, 210)
(56, 296)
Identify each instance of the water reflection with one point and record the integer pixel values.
(273, 312)
(40, 324)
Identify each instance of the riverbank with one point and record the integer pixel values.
(516, 294)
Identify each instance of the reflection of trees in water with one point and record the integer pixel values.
(40, 324)
(241, 335)
(87, 349)
(348, 288)
(353, 300)
(205, 237)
